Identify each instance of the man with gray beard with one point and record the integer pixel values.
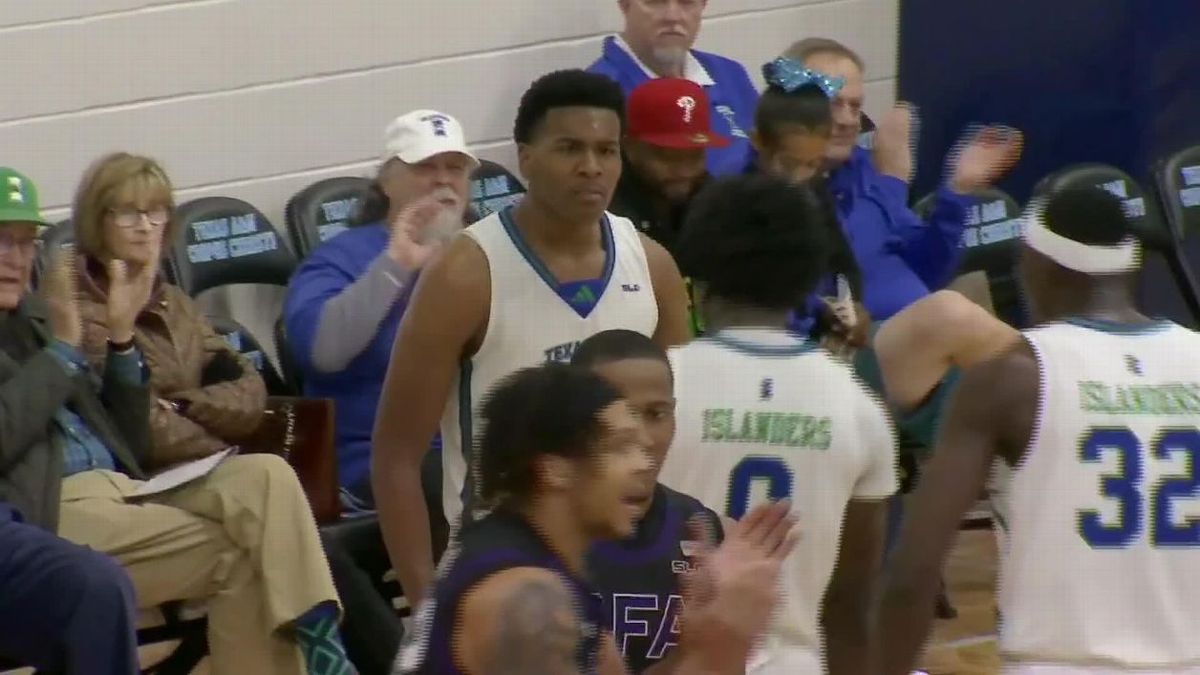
(343, 307)
(657, 42)
(346, 300)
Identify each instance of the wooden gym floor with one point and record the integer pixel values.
(966, 645)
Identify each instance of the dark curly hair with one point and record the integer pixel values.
(552, 409)
(808, 108)
(1089, 215)
(756, 240)
(565, 89)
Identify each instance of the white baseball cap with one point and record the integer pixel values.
(421, 134)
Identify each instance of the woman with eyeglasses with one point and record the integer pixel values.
(242, 538)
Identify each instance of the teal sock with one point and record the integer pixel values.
(321, 644)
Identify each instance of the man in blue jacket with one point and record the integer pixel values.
(345, 301)
(657, 42)
(902, 257)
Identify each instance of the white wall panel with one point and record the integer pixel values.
(258, 98)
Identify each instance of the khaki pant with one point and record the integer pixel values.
(243, 538)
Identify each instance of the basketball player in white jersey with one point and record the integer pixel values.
(521, 288)
(763, 414)
(1097, 413)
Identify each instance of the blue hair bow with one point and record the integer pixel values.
(788, 75)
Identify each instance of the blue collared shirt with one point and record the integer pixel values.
(82, 449)
(902, 258)
(731, 94)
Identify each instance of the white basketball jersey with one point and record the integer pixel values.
(530, 324)
(763, 414)
(1103, 540)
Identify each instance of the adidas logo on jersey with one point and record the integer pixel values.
(583, 296)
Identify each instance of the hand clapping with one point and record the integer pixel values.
(58, 287)
(129, 292)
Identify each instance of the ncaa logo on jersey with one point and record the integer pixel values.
(631, 288)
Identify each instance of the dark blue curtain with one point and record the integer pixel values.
(1114, 81)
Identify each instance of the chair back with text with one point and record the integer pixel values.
(1178, 181)
(991, 239)
(243, 342)
(1165, 288)
(493, 187)
(322, 211)
(224, 241)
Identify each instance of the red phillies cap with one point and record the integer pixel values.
(672, 113)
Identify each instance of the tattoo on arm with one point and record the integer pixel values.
(537, 631)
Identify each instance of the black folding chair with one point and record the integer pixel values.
(493, 187)
(223, 242)
(1177, 179)
(991, 239)
(323, 210)
(1166, 287)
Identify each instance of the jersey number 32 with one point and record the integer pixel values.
(1128, 489)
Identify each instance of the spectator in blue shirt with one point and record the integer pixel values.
(657, 42)
(345, 301)
(902, 257)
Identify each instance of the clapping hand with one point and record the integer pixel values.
(982, 156)
(849, 327)
(129, 293)
(730, 597)
(895, 140)
(58, 287)
(410, 244)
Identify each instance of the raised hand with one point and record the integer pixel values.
(411, 245)
(895, 140)
(733, 591)
(849, 327)
(129, 293)
(58, 288)
(982, 156)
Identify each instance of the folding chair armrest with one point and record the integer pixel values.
(301, 430)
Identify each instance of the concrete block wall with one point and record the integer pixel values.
(256, 99)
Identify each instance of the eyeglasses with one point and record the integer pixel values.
(18, 243)
(127, 217)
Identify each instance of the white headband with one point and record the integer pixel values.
(1120, 258)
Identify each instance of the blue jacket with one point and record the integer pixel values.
(902, 258)
(335, 265)
(733, 99)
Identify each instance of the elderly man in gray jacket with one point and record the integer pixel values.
(63, 607)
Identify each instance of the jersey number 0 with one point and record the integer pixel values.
(772, 471)
(1126, 487)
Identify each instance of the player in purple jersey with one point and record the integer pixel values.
(639, 577)
(564, 462)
